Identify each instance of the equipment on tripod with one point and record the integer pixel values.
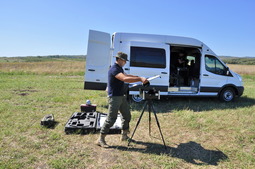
(147, 84)
(149, 96)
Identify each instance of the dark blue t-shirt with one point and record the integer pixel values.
(115, 86)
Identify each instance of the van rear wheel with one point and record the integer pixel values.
(136, 98)
(227, 94)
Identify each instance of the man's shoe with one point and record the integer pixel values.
(101, 141)
(124, 136)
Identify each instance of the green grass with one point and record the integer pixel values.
(199, 132)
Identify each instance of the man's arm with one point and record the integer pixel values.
(130, 78)
(130, 75)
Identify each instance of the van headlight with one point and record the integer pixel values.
(239, 77)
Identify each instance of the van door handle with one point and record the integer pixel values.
(126, 68)
(163, 72)
(92, 70)
(205, 75)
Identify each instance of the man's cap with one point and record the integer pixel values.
(122, 56)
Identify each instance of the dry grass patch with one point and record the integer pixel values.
(243, 69)
(48, 67)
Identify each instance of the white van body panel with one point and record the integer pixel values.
(149, 72)
(235, 80)
(102, 49)
(208, 79)
(174, 40)
(98, 59)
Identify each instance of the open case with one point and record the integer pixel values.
(90, 122)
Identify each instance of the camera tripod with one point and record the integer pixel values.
(148, 103)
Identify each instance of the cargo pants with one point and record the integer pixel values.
(117, 103)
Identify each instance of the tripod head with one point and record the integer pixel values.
(151, 94)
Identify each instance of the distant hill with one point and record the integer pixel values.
(42, 58)
(238, 60)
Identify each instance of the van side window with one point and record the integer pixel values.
(212, 64)
(147, 57)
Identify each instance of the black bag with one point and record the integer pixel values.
(48, 121)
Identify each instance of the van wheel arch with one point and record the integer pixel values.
(136, 98)
(227, 94)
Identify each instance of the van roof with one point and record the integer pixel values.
(173, 40)
(167, 39)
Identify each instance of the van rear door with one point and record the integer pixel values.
(97, 60)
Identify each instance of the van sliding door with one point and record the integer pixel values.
(150, 59)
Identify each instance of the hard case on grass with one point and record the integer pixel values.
(115, 129)
(82, 122)
(90, 122)
(88, 108)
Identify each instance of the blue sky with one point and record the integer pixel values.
(60, 27)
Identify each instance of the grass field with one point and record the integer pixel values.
(199, 132)
(243, 69)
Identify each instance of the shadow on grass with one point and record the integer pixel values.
(191, 152)
(196, 104)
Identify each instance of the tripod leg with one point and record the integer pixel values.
(158, 125)
(138, 122)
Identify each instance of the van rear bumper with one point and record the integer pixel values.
(95, 86)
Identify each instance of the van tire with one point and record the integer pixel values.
(227, 94)
(136, 98)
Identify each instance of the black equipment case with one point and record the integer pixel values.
(90, 122)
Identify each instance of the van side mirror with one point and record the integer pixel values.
(227, 71)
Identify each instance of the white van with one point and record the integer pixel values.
(187, 66)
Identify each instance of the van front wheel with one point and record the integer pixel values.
(227, 94)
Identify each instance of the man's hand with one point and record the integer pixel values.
(130, 78)
(144, 80)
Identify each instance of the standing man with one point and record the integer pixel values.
(117, 99)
